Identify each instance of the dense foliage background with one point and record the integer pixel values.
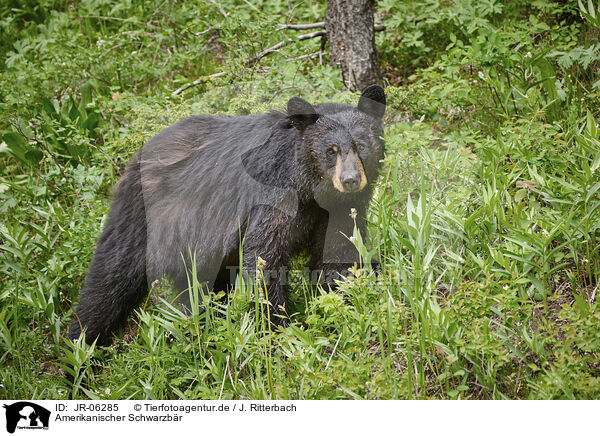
(486, 217)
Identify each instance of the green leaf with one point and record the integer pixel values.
(592, 191)
(539, 286)
(596, 163)
(548, 81)
(590, 126)
(86, 94)
(520, 195)
(91, 121)
(74, 110)
(49, 107)
(581, 304)
(17, 146)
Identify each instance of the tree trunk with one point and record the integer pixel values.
(351, 36)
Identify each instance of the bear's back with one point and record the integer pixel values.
(204, 217)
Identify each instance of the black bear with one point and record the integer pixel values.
(271, 185)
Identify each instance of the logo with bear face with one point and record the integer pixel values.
(26, 415)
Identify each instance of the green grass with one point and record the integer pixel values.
(486, 217)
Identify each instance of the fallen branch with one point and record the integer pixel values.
(310, 55)
(197, 82)
(273, 49)
(302, 26)
(277, 46)
(321, 25)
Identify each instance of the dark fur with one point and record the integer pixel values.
(198, 186)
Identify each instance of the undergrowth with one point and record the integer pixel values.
(485, 220)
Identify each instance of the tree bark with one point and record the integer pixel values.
(351, 36)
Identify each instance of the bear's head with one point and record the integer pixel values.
(341, 145)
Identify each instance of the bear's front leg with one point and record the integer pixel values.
(270, 274)
(268, 245)
(333, 253)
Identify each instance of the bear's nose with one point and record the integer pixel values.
(351, 181)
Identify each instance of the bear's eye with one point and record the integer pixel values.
(361, 146)
(332, 150)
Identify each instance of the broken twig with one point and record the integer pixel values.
(197, 82)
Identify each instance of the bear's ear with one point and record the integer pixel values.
(301, 113)
(372, 101)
